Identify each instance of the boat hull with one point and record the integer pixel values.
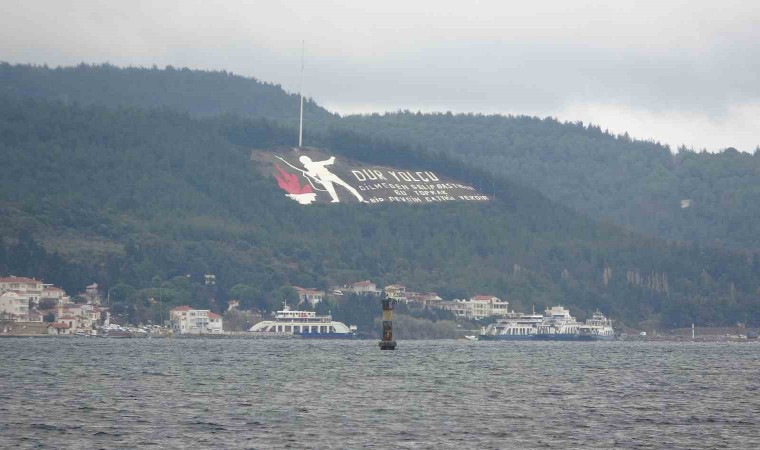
(326, 335)
(555, 337)
(596, 338)
(504, 337)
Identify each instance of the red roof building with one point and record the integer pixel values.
(14, 279)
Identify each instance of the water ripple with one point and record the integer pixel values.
(100, 393)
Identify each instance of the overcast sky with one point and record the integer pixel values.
(674, 71)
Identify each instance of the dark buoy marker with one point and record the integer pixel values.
(388, 343)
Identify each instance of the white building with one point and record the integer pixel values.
(15, 306)
(71, 324)
(92, 294)
(478, 307)
(430, 299)
(396, 292)
(364, 288)
(459, 308)
(29, 288)
(312, 296)
(21, 285)
(50, 292)
(79, 316)
(57, 328)
(186, 320)
(19, 294)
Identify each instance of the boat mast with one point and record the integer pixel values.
(300, 124)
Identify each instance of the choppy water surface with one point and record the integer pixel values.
(163, 393)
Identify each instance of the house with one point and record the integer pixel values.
(11, 326)
(310, 295)
(28, 288)
(56, 294)
(21, 297)
(430, 299)
(15, 305)
(459, 308)
(86, 316)
(92, 294)
(364, 288)
(19, 300)
(186, 320)
(35, 317)
(71, 323)
(214, 323)
(488, 305)
(22, 285)
(56, 328)
(396, 292)
(478, 307)
(233, 305)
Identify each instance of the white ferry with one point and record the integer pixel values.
(520, 327)
(597, 328)
(306, 324)
(557, 325)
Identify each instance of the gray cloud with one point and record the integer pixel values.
(672, 70)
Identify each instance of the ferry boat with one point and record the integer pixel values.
(306, 324)
(520, 327)
(557, 325)
(597, 328)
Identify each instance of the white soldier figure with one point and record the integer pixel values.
(320, 173)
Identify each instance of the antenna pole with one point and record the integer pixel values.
(300, 124)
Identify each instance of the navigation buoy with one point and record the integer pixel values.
(388, 343)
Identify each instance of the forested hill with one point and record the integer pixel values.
(122, 196)
(200, 93)
(713, 199)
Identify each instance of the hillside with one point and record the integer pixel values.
(713, 198)
(200, 93)
(127, 195)
(639, 185)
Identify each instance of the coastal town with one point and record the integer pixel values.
(30, 307)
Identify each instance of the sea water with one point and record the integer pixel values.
(202, 393)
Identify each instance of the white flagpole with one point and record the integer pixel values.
(300, 124)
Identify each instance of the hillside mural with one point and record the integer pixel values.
(314, 176)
